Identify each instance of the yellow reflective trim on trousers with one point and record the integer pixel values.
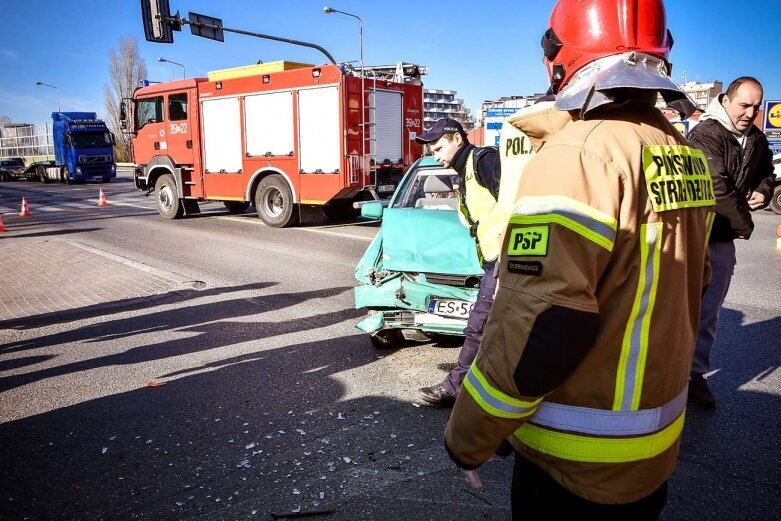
(494, 401)
(599, 450)
(634, 348)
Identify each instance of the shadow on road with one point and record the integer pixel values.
(210, 325)
(728, 467)
(267, 431)
(110, 308)
(273, 429)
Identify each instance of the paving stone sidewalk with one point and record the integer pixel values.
(53, 275)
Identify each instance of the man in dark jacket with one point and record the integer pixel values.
(740, 163)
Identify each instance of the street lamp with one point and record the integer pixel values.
(330, 10)
(41, 84)
(184, 72)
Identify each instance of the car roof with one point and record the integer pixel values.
(428, 161)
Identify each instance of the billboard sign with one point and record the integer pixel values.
(684, 127)
(772, 116)
(493, 123)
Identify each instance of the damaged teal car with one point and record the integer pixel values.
(420, 275)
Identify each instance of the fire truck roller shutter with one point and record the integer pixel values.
(221, 135)
(268, 124)
(386, 127)
(318, 130)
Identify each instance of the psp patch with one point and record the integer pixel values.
(531, 241)
(525, 267)
(677, 177)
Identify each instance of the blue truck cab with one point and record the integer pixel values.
(83, 147)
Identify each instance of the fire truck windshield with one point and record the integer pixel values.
(90, 139)
(148, 110)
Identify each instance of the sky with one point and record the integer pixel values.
(483, 50)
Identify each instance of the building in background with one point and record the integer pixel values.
(438, 104)
(700, 93)
(506, 104)
(493, 114)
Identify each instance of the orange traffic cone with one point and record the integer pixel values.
(2, 226)
(25, 209)
(102, 199)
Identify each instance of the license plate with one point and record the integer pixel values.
(386, 188)
(450, 308)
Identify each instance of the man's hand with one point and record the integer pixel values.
(756, 201)
(473, 478)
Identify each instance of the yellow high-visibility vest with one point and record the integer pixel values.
(483, 215)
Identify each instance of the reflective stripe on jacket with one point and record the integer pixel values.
(586, 353)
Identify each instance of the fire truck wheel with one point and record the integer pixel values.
(236, 206)
(274, 202)
(168, 204)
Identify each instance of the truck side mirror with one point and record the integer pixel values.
(122, 114)
(112, 139)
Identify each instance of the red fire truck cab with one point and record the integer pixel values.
(276, 135)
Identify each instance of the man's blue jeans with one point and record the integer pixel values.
(722, 262)
(474, 330)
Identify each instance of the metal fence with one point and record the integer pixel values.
(31, 142)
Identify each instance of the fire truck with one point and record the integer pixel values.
(278, 135)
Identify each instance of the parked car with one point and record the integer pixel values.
(775, 203)
(420, 275)
(11, 168)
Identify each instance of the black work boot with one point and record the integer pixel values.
(699, 393)
(436, 395)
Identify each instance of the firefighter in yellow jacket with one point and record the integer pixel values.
(586, 353)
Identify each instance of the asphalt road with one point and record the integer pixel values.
(272, 401)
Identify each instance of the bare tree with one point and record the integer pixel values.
(126, 69)
(4, 120)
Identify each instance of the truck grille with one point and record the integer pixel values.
(94, 170)
(461, 281)
(94, 159)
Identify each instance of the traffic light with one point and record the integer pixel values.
(156, 14)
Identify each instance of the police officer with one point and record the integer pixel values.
(480, 173)
(586, 353)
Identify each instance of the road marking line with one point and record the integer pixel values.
(258, 222)
(168, 275)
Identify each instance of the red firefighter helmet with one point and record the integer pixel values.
(581, 31)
